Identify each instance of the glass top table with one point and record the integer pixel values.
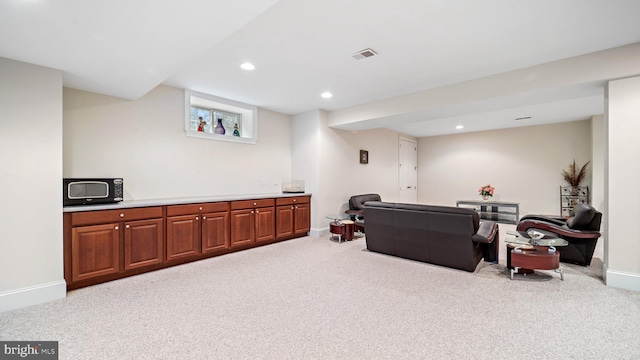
(338, 217)
(534, 238)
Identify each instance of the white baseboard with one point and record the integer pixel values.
(32, 295)
(621, 279)
(318, 233)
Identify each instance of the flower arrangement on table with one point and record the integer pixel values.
(486, 191)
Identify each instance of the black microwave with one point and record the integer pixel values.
(85, 191)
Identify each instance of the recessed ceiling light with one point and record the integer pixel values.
(248, 66)
(459, 127)
(326, 95)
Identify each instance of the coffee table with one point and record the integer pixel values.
(525, 254)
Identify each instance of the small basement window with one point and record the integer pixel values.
(211, 117)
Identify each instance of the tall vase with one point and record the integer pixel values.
(219, 128)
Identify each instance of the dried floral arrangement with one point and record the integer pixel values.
(573, 176)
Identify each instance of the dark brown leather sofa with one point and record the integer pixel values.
(447, 236)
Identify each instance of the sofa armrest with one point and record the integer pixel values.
(355, 212)
(486, 233)
(563, 230)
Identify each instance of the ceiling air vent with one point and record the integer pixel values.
(364, 54)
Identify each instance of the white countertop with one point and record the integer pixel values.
(175, 201)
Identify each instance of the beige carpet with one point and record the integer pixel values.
(313, 298)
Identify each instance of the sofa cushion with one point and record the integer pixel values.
(583, 215)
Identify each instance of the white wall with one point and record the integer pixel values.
(305, 146)
(144, 142)
(524, 165)
(31, 266)
(328, 160)
(598, 137)
(342, 174)
(622, 251)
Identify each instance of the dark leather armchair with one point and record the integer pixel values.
(581, 230)
(356, 207)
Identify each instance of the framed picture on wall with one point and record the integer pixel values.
(364, 157)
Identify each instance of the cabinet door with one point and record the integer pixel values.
(183, 236)
(302, 220)
(95, 251)
(142, 243)
(242, 229)
(215, 231)
(284, 221)
(265, 224)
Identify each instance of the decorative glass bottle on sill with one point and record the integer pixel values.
(219, 128)
(236, 132)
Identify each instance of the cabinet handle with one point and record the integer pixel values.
(252, 211)
(294, 200)
(296, 207)
(200, 208)
(116, 228)
(197, 218)
(204, 218)
(254, 204)
(127, 226)
(257, 211)
(121, 215)
(292, 206)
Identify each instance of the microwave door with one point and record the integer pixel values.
(88, 190)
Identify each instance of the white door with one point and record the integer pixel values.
(408, 171)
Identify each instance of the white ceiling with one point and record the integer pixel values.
(302, 48)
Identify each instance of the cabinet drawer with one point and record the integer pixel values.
(293, 200)
(108, 216)
(188, 209)
(215, 207)
(175, 210)
(248, 204)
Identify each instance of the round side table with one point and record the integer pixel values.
(341, 226)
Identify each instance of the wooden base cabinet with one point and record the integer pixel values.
(143, 243)
(183, 236)
(195, 229)
(302, 219)
(252, 221)
(215, 231)
(108, 242)
(95, 251)
(293, 216)
(104, 245)
(284, 225)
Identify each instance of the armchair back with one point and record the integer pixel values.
(356, 202)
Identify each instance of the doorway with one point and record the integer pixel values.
(408, 171)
